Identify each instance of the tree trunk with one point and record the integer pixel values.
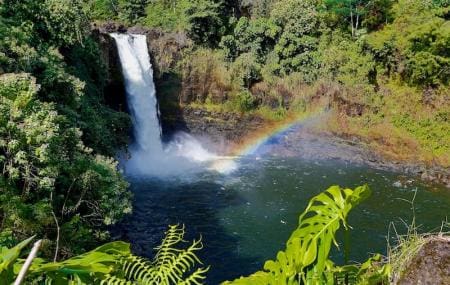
(357, 23)
(351, 22)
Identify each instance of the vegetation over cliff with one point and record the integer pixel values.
(382, 65)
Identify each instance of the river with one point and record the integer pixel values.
(247, 216)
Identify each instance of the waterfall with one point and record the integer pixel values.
(140, 88)
(148, 154)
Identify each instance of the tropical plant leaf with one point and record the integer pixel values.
(114, 264)
(305, 259)
(171, 265)
(8, 258)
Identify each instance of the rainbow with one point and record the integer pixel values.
(252, 144)
(227, 164)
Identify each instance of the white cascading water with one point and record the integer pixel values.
(138, 75)
(148, 155)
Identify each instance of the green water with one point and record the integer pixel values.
(247, 216)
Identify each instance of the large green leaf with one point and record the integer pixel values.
(305, 259)
(113, 263)
(8, 257)
(93, 265)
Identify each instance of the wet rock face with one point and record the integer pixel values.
(218, 129)
(431, 265)
(114, 91)
(164, 48)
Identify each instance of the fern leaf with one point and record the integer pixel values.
(113, 280)
(137, 268)
(170, 264)
(166, 251)
(196, 278)
(183, 263)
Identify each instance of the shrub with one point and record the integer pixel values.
(246, 70)
(50, 179)
(297, 43)
(131, 11)
(60, 22)
(205, 24)
(255, 36)
(343, 59)
(415, 43)
(204, 74)
(245, 101)
(167, 15)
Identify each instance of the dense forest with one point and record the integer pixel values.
(382, 65)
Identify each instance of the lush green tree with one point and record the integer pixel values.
(205, 22)
(297, 44)
(378, 14)
(103, 10)
(350, 10)
(168, 15)
(70, 72)
(132, 10)
(415, 44)
(59, 22)
(55, 128)
(202, 20)
(344, 60)
(256, 8)
(246, 70)
(50, 181)
(255, 36)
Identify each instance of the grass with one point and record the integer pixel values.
(407, 246)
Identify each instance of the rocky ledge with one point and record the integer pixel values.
(221, 131)
(225, 131)
(431, 264)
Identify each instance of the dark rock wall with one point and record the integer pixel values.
(115, 88)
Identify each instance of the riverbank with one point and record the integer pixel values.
(308, 139)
